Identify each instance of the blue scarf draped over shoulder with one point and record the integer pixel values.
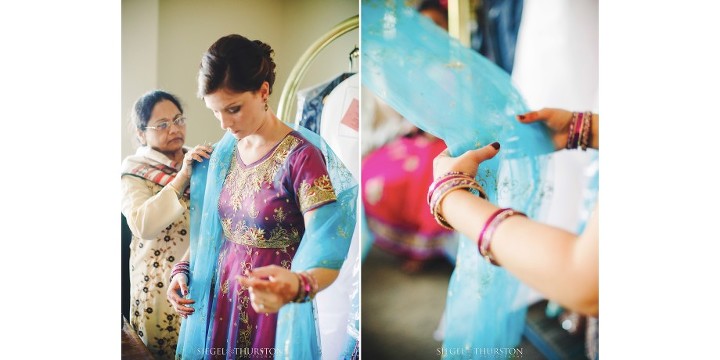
(325, 244)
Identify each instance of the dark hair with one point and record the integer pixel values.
(236, 63)
(142, 110)
(434, 5)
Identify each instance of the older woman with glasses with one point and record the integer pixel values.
(155, 196)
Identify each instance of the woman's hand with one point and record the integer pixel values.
(179, 285)
(197, 154)
(270, 287)
(557, 120)
(467, 162)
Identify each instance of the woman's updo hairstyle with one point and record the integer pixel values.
(236, 63)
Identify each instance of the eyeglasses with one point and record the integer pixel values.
(166, 124)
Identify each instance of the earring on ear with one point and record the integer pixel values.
(266, 105)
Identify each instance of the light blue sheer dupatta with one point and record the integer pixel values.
(454, 93)
(325, 244)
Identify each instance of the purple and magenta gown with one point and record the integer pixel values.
(261, 208)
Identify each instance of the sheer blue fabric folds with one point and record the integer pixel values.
(325, 244)
(454, 93)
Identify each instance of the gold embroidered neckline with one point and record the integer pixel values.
(263, 158)
(247, 181)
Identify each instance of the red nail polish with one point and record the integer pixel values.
(521, 117)
(496, 145)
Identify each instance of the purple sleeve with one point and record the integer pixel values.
(310, 179)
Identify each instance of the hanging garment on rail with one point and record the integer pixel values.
(339, 304)
(312, 107)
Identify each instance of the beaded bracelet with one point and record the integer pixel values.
(587, 131)
(578, 129)
(574, 130)
(488, 230)
(571, 131)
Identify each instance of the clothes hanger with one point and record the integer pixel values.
(355, 53)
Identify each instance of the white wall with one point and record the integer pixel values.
(184, 29)
(139, 60)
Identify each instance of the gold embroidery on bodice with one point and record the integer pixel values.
(247, 182)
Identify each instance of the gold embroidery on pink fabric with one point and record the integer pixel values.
(252, 211)
(225, 287)
(244, 183)
(243, 301)
(279, 237)
(319, 192)
(279, 215)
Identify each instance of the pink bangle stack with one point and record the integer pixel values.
(488, 230)
(579, 131)
(307, 287)
(443, 185)
(182, 267)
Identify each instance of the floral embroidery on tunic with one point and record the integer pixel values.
(151, 314)
(279, 215)
(319, 192)
(248, 182)
(243, 234)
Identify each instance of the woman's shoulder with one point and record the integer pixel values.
(302, 143)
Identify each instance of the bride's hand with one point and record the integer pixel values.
(557, 120)
(270, 287)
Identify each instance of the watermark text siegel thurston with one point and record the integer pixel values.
(240, 353)
(480, 353)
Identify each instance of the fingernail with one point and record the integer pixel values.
(521, 117)
(496, 145)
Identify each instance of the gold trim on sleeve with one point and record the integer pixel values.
(321, 191)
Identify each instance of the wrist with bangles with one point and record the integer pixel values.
(307, 287)
(443, 185)
(182, 267)
(580, 131)
(452, 181)
(488, 230)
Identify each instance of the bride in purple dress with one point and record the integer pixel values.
(273, 184)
